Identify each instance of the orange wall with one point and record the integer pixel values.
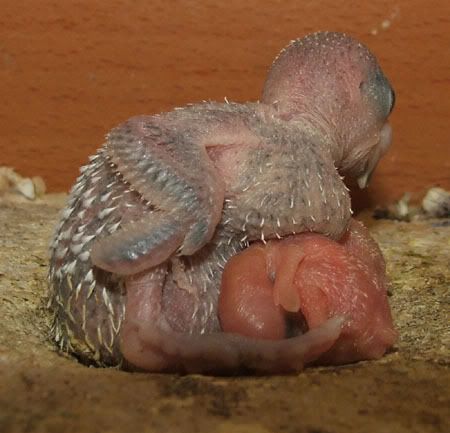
(71, 70)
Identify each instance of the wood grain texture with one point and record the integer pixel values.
(69, 71)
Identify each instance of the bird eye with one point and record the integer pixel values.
(392, 101)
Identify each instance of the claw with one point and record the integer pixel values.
(284, 294)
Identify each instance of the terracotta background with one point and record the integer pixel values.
(71, 70)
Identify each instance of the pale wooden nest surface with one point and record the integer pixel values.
(13, 184)
(406, 391)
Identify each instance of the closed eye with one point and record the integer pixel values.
(392, 101)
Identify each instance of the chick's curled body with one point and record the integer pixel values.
(138, 256)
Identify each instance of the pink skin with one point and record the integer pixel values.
(337, 289)
(317, 279)
(151, 222)
(149, 343)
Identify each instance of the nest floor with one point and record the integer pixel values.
(408, 390)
